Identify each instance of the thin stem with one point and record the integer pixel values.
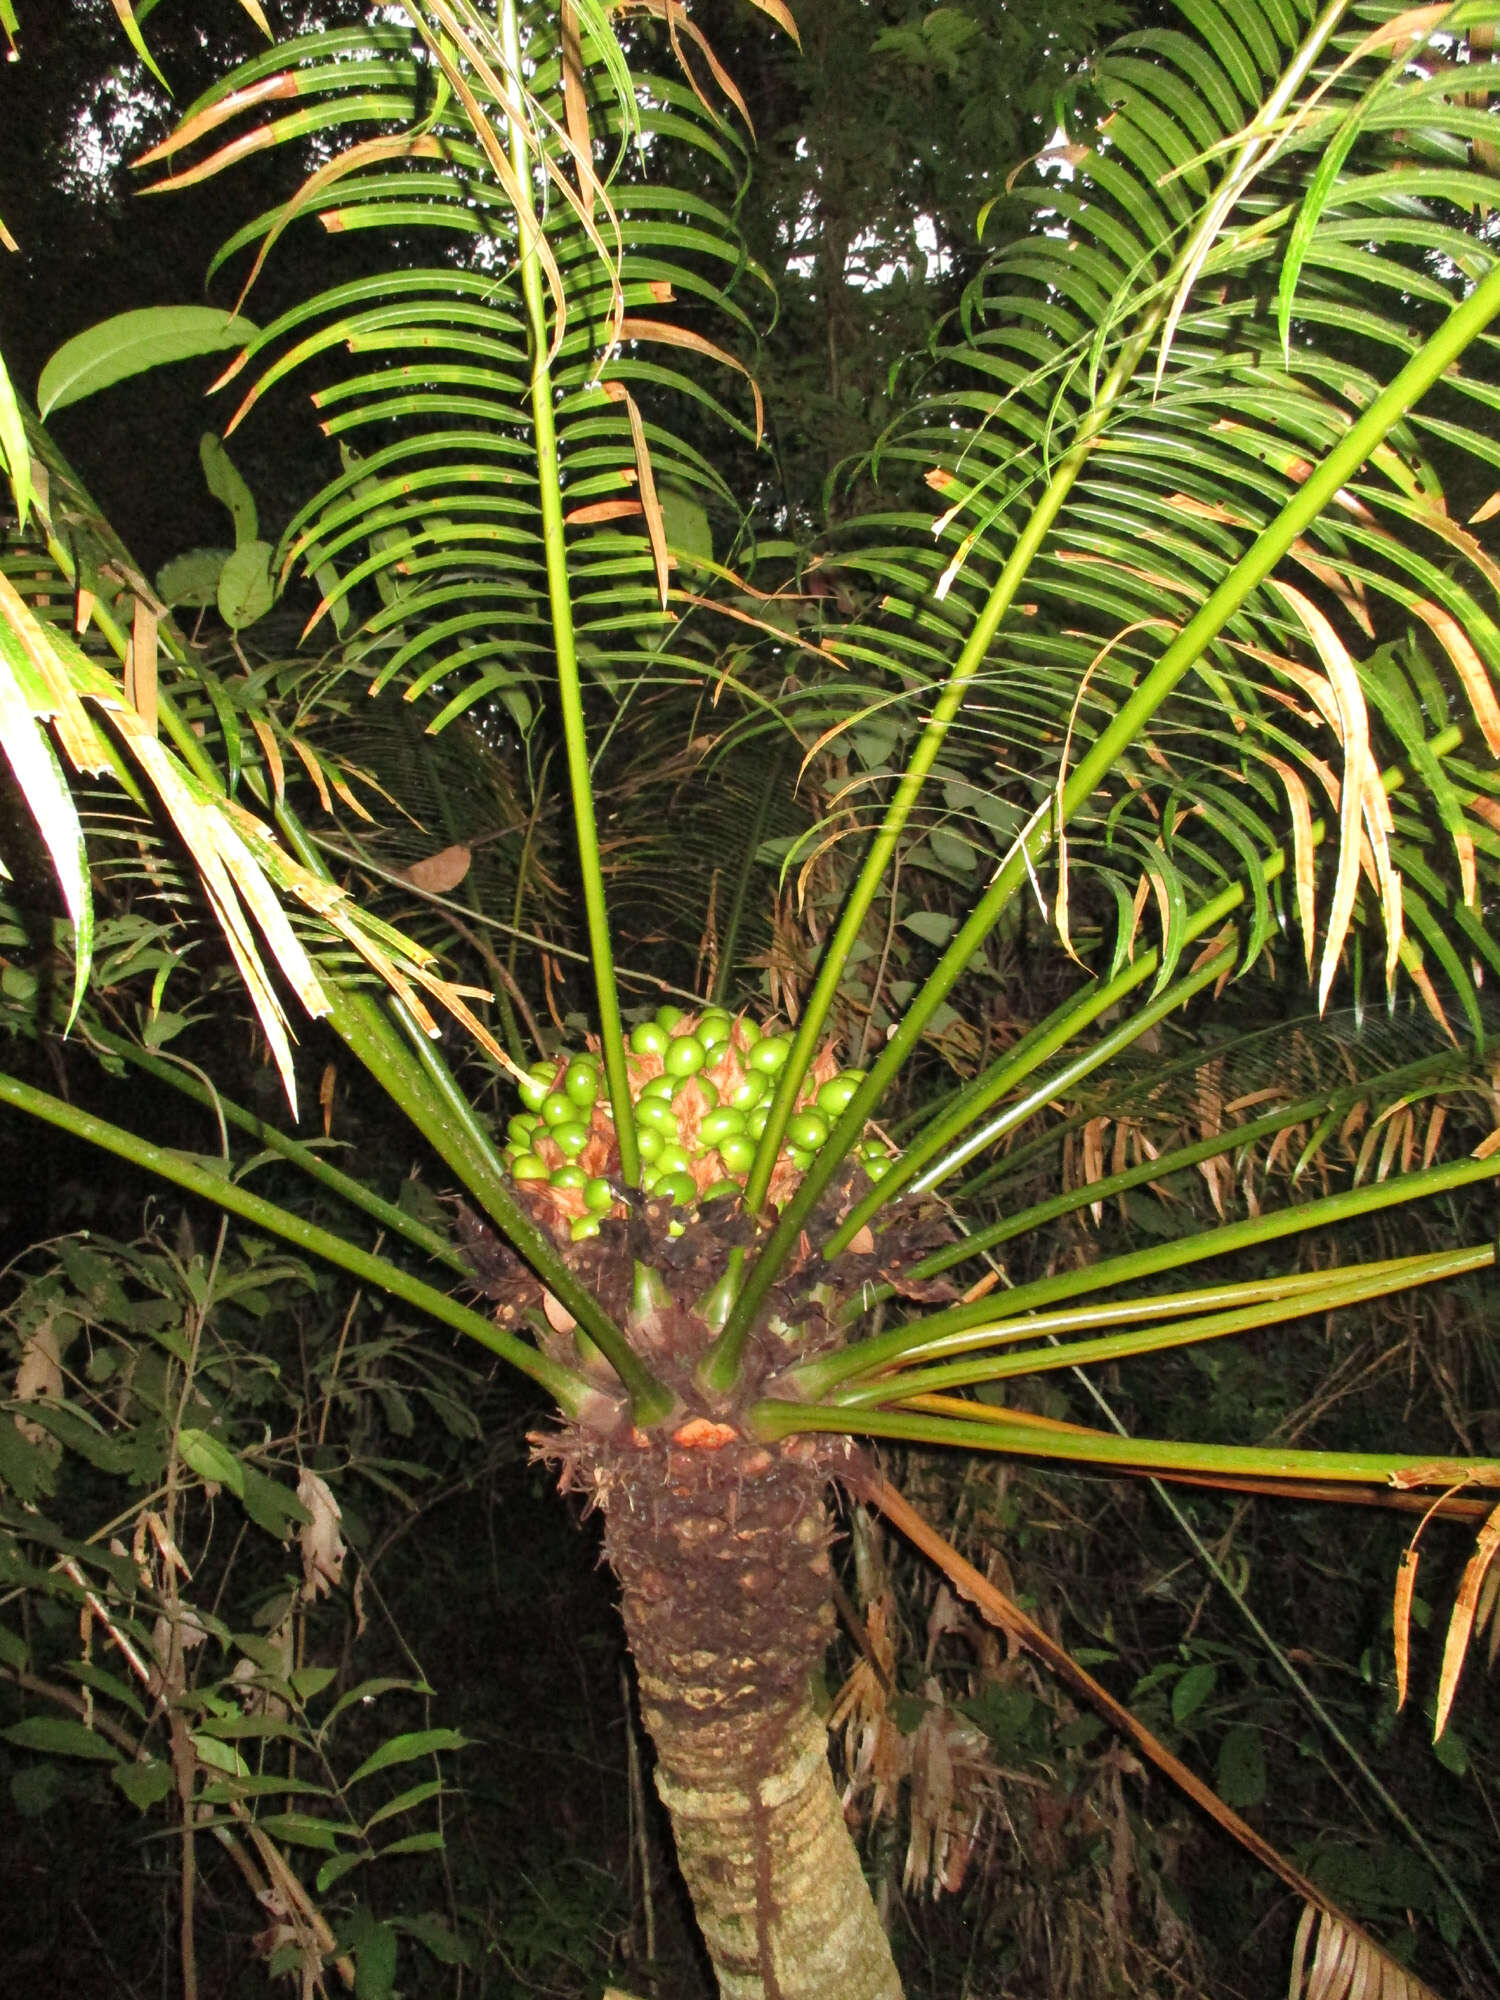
(1068, 1022)
(387, 1213)
(1023, 1221)
(943, 1332)
(429, 1095)
(568, 1389)
(414, 1076)
(570, 696)
(1337, 1290)
(774, 1418)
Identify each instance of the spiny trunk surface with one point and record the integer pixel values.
(723, 1560)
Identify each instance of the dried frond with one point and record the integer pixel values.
(1345, 1964)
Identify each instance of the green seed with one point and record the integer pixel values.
(534, 1086)
(584, 1226)
(582, 1082)
(749, 1031)
(808, 1130)
(656, 1115)
(706, 1090)
(720, 1191)
(558, 1109)
(719, 1124)
(748, 1092)
(660, 1086)
(599, 1195)
(684, 1056)
(835, 1095)
(769, 1054)
(648, 1142)
(520, 1129)
(672, 1160)
(757, 1121)
(527, 1167)
(667, 1016)
(648, 1039)
(877, 1165)
(800, 1158)
(679, 1188)
(570, 1139)
(714, 1030)
(569, 1176)
(737, 1151)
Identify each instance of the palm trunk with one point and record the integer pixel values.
(722, 1555)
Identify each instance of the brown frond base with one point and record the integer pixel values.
(687, 1253)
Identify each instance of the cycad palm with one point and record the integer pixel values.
(1195, 578)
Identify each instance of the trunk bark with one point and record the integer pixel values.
(722, 1556)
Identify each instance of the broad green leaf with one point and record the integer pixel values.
(429, 1842)
(685, 521)
(132, 342)
(211, 1460)
(246, 1785)
(1192, 1689)
(145, 1785)
(104, 1682)
(226, 483)
(374, 1962)
(220, 1756)
(271, 1505)
(246, 590)
(416, 1795)
(308, 1682)
(435, 1936)
(336, 1868)
(367, 1692)
(932, 925)
(402, 1749)
(58, 1736)
(1240, 1769)
(1452, 1752)
(243, 1728)
(192, 580)
(302, 1830)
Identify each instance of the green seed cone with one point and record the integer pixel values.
(726, 1117)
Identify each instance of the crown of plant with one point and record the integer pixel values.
(700, 1087)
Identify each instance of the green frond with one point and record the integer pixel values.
(1116, 328)
(437, 508)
